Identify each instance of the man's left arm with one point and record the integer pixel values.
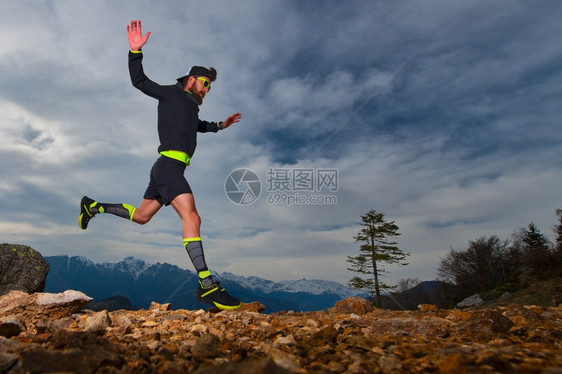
(205, 126)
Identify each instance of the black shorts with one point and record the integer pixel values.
(167, 180)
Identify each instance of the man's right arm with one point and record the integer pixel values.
(138, 78)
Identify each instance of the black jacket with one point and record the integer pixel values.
(178, 112)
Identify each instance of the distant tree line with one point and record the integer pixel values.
(489, 261)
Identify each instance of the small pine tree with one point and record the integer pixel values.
(379, 247)
(536, 251)
(558, 240)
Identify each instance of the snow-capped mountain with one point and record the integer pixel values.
(130, 265)
(313, 286)
(78, 260)
(135, 267)
(143, 283)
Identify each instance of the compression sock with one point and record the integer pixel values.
(120, 210)
(194, 249)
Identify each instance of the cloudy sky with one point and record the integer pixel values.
(445, 116)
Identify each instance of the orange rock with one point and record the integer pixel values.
(427, 307)
(357, 305)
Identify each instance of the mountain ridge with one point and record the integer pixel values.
(142, 283)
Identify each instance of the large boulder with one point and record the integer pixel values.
(471, 301)
(32, 308)
(353, 304)
(22, 269)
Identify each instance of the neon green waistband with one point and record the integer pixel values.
(177, 155)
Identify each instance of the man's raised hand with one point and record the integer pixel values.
(134, 32)
(232, 120)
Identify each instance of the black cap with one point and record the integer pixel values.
(197, 71)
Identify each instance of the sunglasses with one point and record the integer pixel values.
(206, 83)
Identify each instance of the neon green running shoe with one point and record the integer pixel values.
(217, 296)
(85, 213)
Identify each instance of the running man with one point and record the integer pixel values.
(178, 124)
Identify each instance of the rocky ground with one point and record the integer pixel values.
(52, 333)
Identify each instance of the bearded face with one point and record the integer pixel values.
(197, 90)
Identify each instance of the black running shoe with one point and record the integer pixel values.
(217, 296)
(85, 214)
